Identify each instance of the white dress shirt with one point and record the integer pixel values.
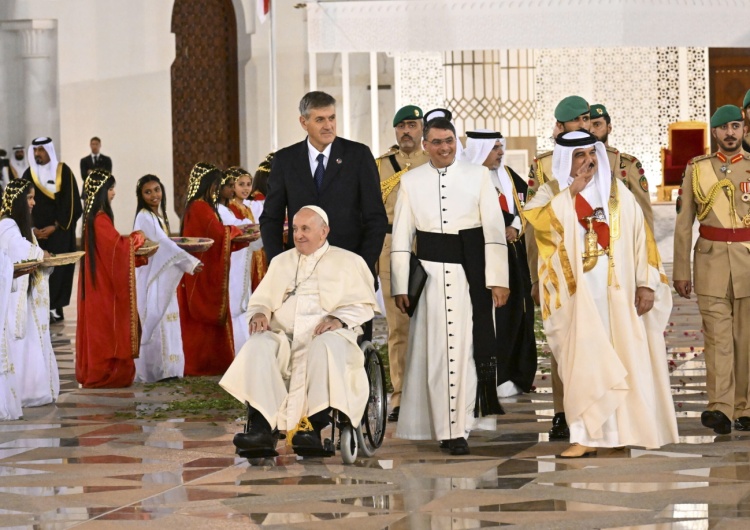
(313, 153)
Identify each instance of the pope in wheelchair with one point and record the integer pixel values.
(302, 359)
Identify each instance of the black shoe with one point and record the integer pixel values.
(260, 439)
(742, 423)
(307, 439)
(716, 420)
(559, 430)
(61, 314)
(393, 416)
(459, 446)
(445, 444)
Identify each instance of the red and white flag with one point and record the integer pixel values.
(263, 7)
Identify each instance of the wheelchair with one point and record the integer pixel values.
(363, 438)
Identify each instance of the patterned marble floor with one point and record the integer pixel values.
(82, 462)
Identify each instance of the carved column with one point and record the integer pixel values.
(37, 49)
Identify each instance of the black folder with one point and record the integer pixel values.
(417, 281)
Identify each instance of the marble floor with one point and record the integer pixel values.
(87, 462)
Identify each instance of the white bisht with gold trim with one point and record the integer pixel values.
(611, 361)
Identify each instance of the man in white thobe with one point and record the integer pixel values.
(605, 302)
(302, 358)
(440, 204)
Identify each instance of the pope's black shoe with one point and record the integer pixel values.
(445, 444)
(716, 420)
(559, 430)
(393, 416)
(742, 423)
(259, 439)
(459, 446)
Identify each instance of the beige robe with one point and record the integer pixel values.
(616, 380)
(287, 373)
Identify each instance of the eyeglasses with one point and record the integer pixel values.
(447, 141)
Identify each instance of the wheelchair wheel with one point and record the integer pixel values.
(372, 430)
(348, 444)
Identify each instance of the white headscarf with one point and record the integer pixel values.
(597, 191)
(19, 165)
(476, 152)
(47, 173)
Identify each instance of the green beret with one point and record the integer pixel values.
(598, 111)
(746, 101)
(726, 114)
(409, 112)
(570, 108)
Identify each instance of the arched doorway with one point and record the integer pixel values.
(205, 105)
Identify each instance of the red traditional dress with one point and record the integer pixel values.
(259, 261)
(204, 298)
(108, 331)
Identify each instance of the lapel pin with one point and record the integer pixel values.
(338, 161)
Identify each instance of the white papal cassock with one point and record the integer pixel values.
(440, 378)
(611, 361)
(286, 373)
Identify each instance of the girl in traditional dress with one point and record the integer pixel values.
(256, 201)
(10, 397)
(236, 186)
(27, 336)
(161, 355)
(204, 298)
(108, 332)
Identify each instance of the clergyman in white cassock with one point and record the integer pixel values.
(605, 302)
(302, 357)
(438, 203)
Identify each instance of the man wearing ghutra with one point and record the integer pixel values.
(58, 208)
(450, 207)
(18, 162)
(514, 322)
(302, 358)
(605, 302)
(716, 190)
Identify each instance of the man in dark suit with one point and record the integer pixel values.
(95, 160)
(336, 174)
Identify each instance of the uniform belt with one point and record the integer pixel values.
(389, 229)
(724, 234)
(442, 248)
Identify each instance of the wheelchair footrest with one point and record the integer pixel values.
(316, 452)
(260, 452)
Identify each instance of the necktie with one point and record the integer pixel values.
(319, 171)
(96, 159)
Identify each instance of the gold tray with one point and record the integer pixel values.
(25, 267)
(147, 247)
(193, 244)
(58, 260)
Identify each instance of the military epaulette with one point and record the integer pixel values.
(702, 157)
(543, 155)
(629, 158)
(392, 150)
(611, 149)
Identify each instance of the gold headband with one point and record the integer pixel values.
(94, 183)
(265, 166)
(13, 190)
(200, 170)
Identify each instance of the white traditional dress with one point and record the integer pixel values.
(611, 361)
(240, 286)
(27, 323)
(10, 396)
(161, 355)
(440, 381)
(287, 373)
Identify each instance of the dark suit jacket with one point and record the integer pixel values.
(350, 195)
(87, 165)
